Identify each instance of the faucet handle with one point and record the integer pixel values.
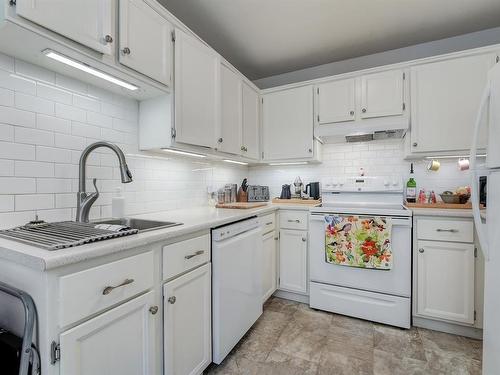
(94, 182)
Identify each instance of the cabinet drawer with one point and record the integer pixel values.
(185, 255)
(268, 223)
(293, 220)
(86, 292)
(445, 230)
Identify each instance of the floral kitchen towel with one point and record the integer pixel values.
(355, 241)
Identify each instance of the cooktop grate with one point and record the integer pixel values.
(61, 235)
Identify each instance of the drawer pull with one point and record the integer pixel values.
(293, 221)
(199, 252)
(109, 289)
(269, 223)
(447, 230)
(172, 300)
(421, 250)
(153, 310)
(304, 239)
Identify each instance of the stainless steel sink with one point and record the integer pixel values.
(139, 224)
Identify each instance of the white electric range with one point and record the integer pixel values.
(378, 295)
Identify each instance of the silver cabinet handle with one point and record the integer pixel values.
(447, 230)
(293, 221)
(269, 223)
(153, 310)
(304, 239)
(108, 39)
(351, 113)
(363, 110)
(172, 300)
(109, 289)
(421, 250)
(276, 238)
(126, 51)
(199, 252)
(415, 144)
(220, 140)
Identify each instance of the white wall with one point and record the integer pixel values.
(46, 120)
(418, 51)
(377, 158)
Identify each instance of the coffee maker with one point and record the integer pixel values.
(298, 185)
(312, 190)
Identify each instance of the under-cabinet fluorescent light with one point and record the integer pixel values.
(454, 157)
(87, 69)
(183, 153)
(235, 162)
(290, 163)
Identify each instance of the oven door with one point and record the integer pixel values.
(396, 281)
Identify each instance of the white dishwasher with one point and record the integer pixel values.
(236, 283)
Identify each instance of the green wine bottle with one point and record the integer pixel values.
(411, 188)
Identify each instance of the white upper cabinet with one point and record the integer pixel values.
(382, 94)
(90, 22)
(287, 124)
(145, 40)
(445, 98)
(445, 295)
(336, 101)
(231, 111)
(127, 331)
(196, 91)
(251, 122)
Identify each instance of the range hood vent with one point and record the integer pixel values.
(377, 135)
(365, 137)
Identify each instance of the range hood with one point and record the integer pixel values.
(363, 130)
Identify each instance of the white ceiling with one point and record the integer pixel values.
(268, 37)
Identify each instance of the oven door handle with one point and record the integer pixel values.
(396, 221)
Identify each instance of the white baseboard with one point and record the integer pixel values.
(454, 329)
(302, 298)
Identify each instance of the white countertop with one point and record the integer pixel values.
(449, 212)
(193, 219)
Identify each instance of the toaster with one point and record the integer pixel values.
(258, 193)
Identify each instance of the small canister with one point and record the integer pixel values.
(220, 196)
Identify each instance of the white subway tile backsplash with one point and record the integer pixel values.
(71, 84)
(28, 202)
(6, 97)
(6, 203)
(34, 104)
(52, 154)
(99, 119)
(70, 113)
(66, 170)
(54, 93)
(66, 200)
(85, 130)
(13, 116)
(34, 136)
(35, 72)
(14, 219)
(6, 167)
(6, 132)
(87, 103)
(33, 169)
(69, 141)
(6, 62)
(16, 151)
(53, 185)
(52, 123)
(17, 185)
(55, 215)
(15, 82)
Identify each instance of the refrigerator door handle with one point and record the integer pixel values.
(480, 226)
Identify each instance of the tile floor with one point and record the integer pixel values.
(292, 339)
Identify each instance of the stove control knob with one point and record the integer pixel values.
(386, 183)
(335, 183)
(395, 183)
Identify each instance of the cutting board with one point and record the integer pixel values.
(441, 205)
(312, 202)
(241, 205)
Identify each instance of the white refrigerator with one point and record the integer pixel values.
(487, 221)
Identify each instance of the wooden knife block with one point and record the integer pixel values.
(242, 196)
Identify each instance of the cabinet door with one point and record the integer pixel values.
(86, 22)
(445, 281)
(187, 323)
(145, 40)
(120, 341)
(269, 277)
(287, 124)
(196, 91)
(445, 98)
(382, 94)
(336, 101)
(251, 121)
(293, 260)
(231, 112)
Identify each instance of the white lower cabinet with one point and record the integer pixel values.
(293, 260)
(101, 345)
(187, 323)
(269, 265)
(445, 281)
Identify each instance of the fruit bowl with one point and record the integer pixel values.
(449, 197)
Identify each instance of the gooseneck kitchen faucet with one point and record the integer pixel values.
(86, 200)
